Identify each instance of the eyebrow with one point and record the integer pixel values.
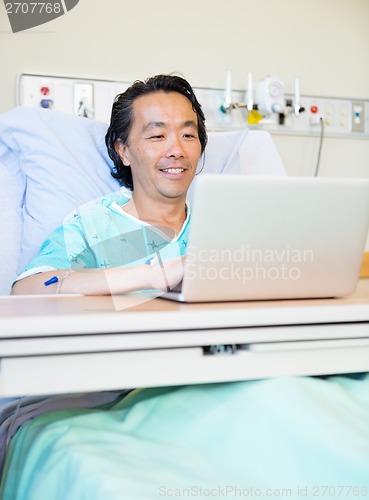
(150, 125)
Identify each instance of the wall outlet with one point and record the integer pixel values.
(84, 99)
(358, 116)
(343, 117)
(316, 119)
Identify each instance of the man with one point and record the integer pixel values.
(135, 239)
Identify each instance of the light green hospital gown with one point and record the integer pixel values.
(101, 235)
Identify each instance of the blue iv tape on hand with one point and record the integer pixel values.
(52, 280)
(152, 261)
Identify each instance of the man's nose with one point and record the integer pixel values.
(175, 146)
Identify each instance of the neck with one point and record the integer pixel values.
(169, 215)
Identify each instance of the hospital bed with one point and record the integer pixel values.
(261, 428)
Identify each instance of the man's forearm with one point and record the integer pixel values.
(109, 281)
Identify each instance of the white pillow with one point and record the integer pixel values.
(12, 185)
(64, 161)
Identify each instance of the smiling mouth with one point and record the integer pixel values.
(173, 170)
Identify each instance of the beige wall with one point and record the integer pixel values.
(324, 42)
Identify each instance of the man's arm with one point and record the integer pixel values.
(110, 281)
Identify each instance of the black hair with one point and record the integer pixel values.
(122, 117)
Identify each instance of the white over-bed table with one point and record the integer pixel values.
(57, 344)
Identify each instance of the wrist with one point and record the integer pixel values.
(157, 278)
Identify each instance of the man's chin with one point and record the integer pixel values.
(175, 195)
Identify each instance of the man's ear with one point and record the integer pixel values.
(121, 150)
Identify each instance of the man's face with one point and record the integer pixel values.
(163, 147)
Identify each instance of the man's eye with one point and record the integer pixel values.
(156, 136)
(189, 136)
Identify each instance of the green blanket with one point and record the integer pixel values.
(290, 437)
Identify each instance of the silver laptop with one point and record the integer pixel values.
(263, 238)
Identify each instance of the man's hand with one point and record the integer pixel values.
(166, 275)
